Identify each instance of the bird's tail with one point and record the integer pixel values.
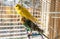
(45, 36)
(41, 33)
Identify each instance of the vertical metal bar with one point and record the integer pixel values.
(55, 20)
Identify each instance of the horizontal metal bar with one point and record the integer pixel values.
(55, 17)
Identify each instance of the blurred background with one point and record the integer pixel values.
(46, 11)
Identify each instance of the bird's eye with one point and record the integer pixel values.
(16, 6)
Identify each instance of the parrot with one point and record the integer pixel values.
(22, 11)
(28, 20)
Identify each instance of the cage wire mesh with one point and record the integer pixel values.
(10, 26)
(53, 19)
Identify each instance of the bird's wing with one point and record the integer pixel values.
(25, 13)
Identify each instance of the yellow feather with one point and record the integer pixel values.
(25, 13)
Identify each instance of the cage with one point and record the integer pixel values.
(10, 25)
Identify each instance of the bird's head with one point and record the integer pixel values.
(18, 6)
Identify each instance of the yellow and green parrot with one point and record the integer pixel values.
(28, 19)
(25, 13)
